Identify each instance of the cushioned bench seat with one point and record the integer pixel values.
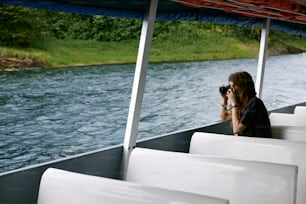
(285, 119)
(256, 149)
(288, 126)
(63, 187)
(239, 181)
(300, 110)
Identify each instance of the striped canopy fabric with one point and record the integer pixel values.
(285, 10)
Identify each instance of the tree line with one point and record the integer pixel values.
(21, 27)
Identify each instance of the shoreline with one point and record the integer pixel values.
(15, 64)
(12, 64)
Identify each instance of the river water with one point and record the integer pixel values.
(47, 114)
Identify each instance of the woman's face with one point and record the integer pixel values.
(234, 86)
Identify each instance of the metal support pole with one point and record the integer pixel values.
(139, 83)
(262, 58)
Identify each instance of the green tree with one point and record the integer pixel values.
(21, 26)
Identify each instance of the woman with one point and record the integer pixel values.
(248, 113)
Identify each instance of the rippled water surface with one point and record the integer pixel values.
(52, 113)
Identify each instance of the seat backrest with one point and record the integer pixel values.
(300, 110)
(292, 133)
(239, 181)
(280, 119)
(256, 149)
(63, 187)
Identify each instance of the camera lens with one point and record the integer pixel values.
(223, 89)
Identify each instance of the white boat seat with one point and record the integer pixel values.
(279, 119)
(239, 181)
(293, 133)
(300, 110)
(64, 187)
(256, 149)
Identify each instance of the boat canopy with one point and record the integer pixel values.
(286, 15)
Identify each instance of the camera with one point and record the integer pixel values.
(223, 89)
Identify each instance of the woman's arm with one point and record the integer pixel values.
(237, 126)
(225, 113)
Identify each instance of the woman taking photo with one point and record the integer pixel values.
(248, 113)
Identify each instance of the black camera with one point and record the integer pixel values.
(224, 89)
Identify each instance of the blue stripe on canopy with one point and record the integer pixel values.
(167, 10)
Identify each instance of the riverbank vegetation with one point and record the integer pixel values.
(31, 38)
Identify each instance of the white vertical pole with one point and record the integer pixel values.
(262, 58)
(139, 83)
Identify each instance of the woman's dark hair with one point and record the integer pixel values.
(246, 84)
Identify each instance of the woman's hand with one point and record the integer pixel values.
(232, 96)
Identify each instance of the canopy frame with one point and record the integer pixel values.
(139, 83)
(262, 57)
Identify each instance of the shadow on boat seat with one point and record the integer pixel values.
(64, 187)
(239, 181)
(292, 133)
(255, 149)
